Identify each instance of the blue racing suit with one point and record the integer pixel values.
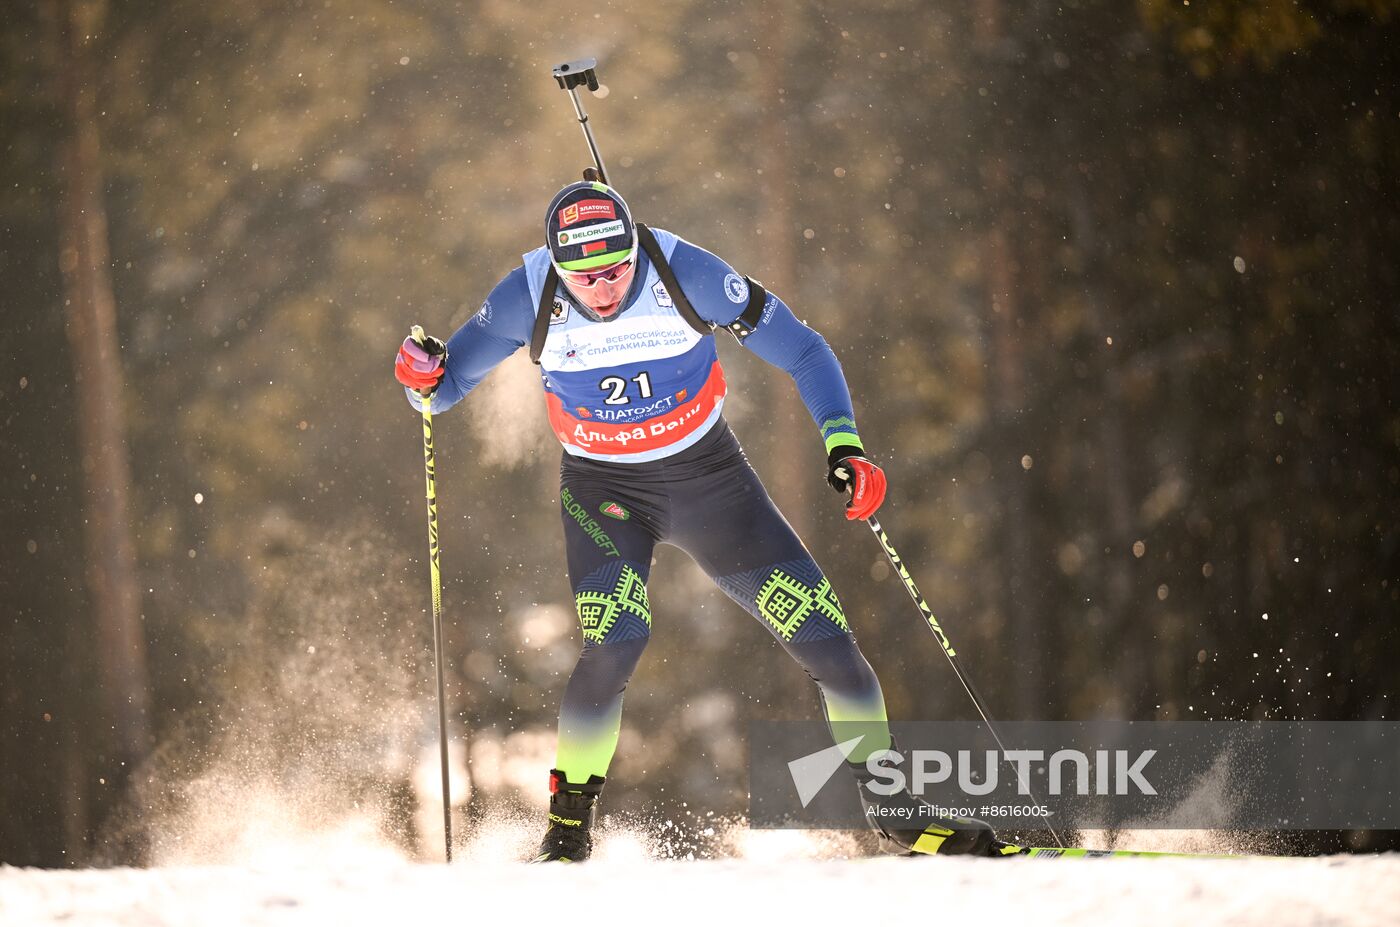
(636, 401)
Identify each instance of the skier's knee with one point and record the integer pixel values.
(793, 599)
(837, 665)
(612, 604)
(603, 671)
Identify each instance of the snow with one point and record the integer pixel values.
(626, 887)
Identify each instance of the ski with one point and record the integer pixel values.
(1011, 850)
(1082, 853)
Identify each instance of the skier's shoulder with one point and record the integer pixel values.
(513, 288)
(507, 309)
(667, 240)
(689, 259)
(714, 287)
(533, 273)
(674, 247)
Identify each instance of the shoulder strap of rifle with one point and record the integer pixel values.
(544, 314)
(668, 277)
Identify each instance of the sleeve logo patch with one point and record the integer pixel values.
(592, 233)
(559, 312)
(663, 299)
(586, 209)
(736, 288)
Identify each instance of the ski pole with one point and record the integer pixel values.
(948, 652)
(570, 75)
(435, 570)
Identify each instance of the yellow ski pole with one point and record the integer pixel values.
(977, 702)
(435, 568)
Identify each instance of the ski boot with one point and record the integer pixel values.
(568, 839)
(906, 826)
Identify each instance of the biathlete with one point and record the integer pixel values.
(620, 319)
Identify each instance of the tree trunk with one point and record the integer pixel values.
(1008, 397)
(1111, 467)
(1007, 400)
(91, 325)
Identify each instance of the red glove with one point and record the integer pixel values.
(849, 471)
(419, 366)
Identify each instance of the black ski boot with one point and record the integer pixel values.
(908, 826)
(568, 838)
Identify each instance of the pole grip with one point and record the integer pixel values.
(421, 339)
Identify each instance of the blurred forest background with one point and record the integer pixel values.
(1114, 285)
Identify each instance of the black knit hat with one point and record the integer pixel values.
(588, 225)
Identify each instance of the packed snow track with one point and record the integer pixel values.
(1332, 890)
